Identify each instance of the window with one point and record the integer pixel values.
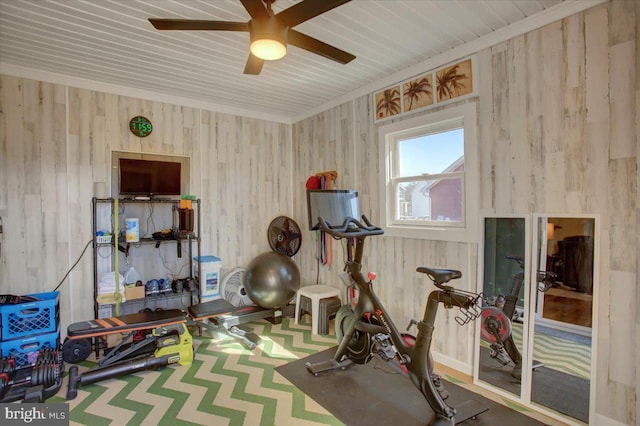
(430, 176)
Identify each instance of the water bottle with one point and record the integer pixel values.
(131, 277)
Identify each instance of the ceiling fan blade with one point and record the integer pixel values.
(316, 46)
(196, 25)
(305, 10)
(256, 9)
(254, 65)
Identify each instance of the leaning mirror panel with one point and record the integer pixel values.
(504, 288)
(563, 318)
(535, 335)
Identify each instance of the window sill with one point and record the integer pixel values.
(462, 235)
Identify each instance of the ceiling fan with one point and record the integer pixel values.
(269, 33)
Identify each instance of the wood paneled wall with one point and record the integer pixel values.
(246, 176)
(57, 142)
(558, 133)
(34, 200)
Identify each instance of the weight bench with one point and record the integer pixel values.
(166, 341)
(221, 316)
(217, 315)
(77, 346)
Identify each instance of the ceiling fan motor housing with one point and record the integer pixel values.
(268, 38)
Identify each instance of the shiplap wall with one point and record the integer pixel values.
(57, 141)
(558, 133)
(34, 200)
(246, 183)
(559, 130)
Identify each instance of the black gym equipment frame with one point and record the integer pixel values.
(368, 330)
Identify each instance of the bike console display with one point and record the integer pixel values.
(333, 205)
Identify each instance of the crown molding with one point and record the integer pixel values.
(83, 83)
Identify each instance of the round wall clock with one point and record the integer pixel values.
(140, 126)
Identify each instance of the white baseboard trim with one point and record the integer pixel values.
(453, 363)
(601, 420)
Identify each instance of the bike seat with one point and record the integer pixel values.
(440, 276)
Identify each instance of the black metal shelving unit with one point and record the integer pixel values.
(190, 240)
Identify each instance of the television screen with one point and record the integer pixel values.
(147, 177)
(333, 205)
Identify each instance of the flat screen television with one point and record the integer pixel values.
(333, 205)
(149, 177)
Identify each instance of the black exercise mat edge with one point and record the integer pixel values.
(368, 405)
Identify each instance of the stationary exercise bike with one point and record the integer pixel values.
(497, 315)
(367, 330)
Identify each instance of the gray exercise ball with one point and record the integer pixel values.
(271, 280)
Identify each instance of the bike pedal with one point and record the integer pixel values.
(437, 382)
(383, 347)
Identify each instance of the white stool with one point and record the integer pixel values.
(315, 293)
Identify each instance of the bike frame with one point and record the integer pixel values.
(414, 357)
(509, 309)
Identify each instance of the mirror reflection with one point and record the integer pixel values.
(563, 315)
(502, 321)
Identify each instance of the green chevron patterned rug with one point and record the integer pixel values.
(561, 354)
(226, 385)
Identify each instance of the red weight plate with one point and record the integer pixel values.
(494, 325)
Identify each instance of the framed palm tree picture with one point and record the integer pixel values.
(388, 103)
(440, 86)
(454, 81)
(417, 93)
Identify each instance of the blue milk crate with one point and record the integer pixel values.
(26, 350)
(27, 319)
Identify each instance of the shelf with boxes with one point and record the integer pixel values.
(159, 237)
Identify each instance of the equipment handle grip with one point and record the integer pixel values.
(351, 228)
(72, 391)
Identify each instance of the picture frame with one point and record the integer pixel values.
(450, 83)
(388, 102)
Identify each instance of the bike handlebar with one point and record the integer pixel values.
(351, 228)
(517, 259)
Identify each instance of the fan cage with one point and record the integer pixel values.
(232, 288)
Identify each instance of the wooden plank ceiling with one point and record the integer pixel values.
(111, 42)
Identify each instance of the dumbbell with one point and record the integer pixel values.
(50, 358)
(9, 366)
(46, 375)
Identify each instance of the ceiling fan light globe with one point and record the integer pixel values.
(268, 49)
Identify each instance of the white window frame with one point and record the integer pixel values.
(438, 121)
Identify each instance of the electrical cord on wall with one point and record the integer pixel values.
(73, 266)
(173, 275)
(150, 218)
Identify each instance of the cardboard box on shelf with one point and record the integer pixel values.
(133, 293)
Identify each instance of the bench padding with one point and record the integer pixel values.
(219, 307)
(125, 323)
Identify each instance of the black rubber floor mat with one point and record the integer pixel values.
(377, 394)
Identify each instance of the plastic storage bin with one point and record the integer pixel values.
(27, 319)
(26, 350)
(210, 281)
